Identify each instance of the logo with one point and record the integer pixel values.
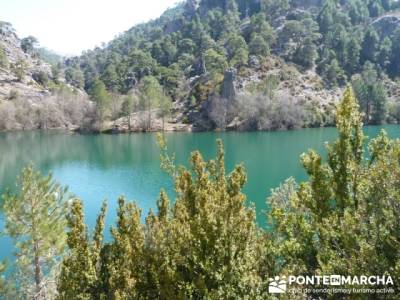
(277, 285)
(330, 283)
(335, 280)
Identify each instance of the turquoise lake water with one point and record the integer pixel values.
(98, 167)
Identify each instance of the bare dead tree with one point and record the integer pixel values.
(218, 111)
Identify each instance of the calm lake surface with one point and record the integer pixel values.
(98, 167)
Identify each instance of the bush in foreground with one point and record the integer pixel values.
(206, 245)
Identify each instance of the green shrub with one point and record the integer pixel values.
(41, 77)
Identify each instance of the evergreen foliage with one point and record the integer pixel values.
(159, 259)
(78, 274)
(371, 95)
(206, 244)
(35, 220)
(29, 44)
(102, 98)
(206, 38)
(128, 106)
(19, 69)
(151, 95)
(341, 220)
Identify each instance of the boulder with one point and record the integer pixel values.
(387, 24)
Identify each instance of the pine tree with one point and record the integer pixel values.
(78, 273)
(215, 64)
(379, 97)
(375, 8)
(258, 46)
(306, 54)
(371, 95)
(110, 77)
(237, 50)
(385, 52)
(165, 107)
(352, 54)
(150, 96)
(102, 100)
(326, 16)
(232, 18)
(97, 242)
(128, 106)
(35, 220)
(334, 74)
(340, 220)
(358, 11)
(345, 155)
(75, 77)
(19, 69)
(213, 235)
(275, 8)
(126, 253)
(394, 67)
(370, 46)
(2, 280)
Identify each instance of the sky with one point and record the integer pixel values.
(70, 26)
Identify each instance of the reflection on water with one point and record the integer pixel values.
(96, 167)
(53, 149)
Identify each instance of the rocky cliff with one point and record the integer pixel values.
(387, 24)
(227, 64)
(20, 71)
(31, 96)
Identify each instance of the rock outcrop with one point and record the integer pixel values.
(29, 97)
(387, 24)
(228, 88)
(19, 70)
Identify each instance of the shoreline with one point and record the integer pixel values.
(188, 128)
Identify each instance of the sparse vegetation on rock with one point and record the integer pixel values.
(200, 51)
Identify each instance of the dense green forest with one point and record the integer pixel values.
(190, 47)
(209, 36)
(205, 244)
(223, 64)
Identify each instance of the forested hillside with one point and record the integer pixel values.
(249, 64)
(223, 64)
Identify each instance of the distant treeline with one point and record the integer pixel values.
(206, 244)
(182, 58)
(199, 38)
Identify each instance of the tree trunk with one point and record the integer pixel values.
(149, 120)
(368, 112)
(38, 271)
(203, 64)
(36, 253)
